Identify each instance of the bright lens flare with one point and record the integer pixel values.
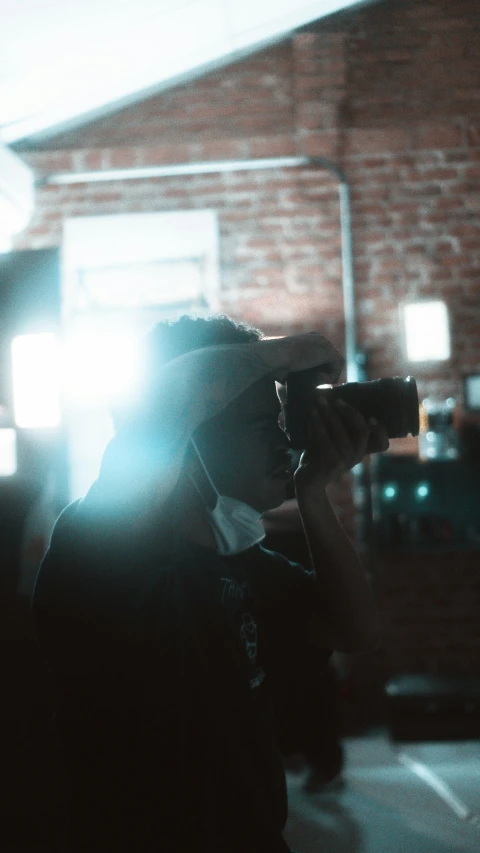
(35, 374)
(100, 368)
(8, 452)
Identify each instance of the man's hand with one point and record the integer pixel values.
(343, 437)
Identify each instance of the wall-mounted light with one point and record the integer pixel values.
(426, 328)
(471, 386)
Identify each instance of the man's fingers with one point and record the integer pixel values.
(346, 429)
(351, 430)
(321, 441)
(378, 441)
(329, 433)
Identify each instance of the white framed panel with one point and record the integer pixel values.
(122, 241)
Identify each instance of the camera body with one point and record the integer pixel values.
(393, 402)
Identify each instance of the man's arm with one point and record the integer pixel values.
(351, 622)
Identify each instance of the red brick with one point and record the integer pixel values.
(157, 155)
(473, 134)
(397, 161)
(48, 161)
(86, 160)
(303, 42)
(437, 136)
(449, 203)
(379, 141)
(222, 149)
(314, 114)
(435, 173)
(120, 158)
(318, 143)
(271, 146)
(459, 156)
(39, 231)
(372, 163)
(54, 216)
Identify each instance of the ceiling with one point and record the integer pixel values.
(65, 62)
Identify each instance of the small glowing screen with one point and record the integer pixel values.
(426, 331)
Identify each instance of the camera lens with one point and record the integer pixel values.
(393, 402)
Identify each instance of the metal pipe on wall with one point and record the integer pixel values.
(178, 169)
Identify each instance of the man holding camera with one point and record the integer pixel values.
(167, 626)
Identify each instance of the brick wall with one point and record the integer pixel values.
(390, 93)
(431, 612)
(413, 61)
(207, 109)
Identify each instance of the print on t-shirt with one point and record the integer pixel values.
(236, 598)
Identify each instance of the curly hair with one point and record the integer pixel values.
(170, 339)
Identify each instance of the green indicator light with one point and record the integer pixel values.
(390, 492)
(422, 491)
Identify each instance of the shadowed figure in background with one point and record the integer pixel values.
(166, 624)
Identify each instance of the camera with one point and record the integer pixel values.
(393, 402)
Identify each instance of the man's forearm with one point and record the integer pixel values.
(349, 604)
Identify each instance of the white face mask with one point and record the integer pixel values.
(235, 525)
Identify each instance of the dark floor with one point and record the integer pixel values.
(415, 798)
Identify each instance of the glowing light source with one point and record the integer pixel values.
(8, 452)
(422, 491)
(426, 331)
(100, 368)
(390, 491)
(36, 391)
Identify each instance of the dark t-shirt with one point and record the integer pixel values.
(166, 659)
